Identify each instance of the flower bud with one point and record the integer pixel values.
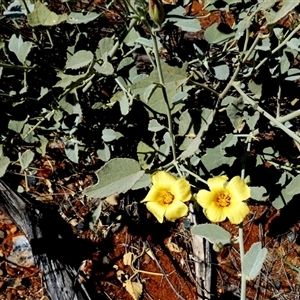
(156, 12)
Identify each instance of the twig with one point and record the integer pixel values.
(164, 274)
(290, 133)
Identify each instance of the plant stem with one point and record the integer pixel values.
(292, 134)
(278, 47)
(165, 96)
(242, 254)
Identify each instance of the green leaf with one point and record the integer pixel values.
(235, 111)
(286, 7)
(95, 216)
(80, 59)
(258, 193)
(207, 116)
(118, 175)
(104, 46)
(16, 126)
(106, 68)
(20, 48)
(42, 148)
(253, 260)
(184, 123)
(124, 105)
(108, 135)
(70, 108)
(282, 199)
(4, 163)
(80, 18)
(251, 120)
(104, 154)
(294, 43)
(42, 16)
(71, 150)
(131, 37)
(67, 80)
(149, 91)
(28, 135)
(154, 126)
(293, 74)
(270, 153)
(145, 155)
(221, 71)
(256, 89)
(178, 17)
(213, 233)
(284, 63)
(164, 151)
(178, 97)
(293, 187)
(214, 36)
(144, 181)
(175, 79)
(125, 62)
(167, 139)
(25, 159)
(215, 158)
(265, 45)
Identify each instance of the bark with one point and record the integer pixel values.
(59, 277)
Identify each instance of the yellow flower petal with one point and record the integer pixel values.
(205, 198)
(237, 213)
(153, 195)
(157, 209)
(238, 189)
(176, 210)
(162, 180)
(217, 183)
(215, 213)
(181, 190)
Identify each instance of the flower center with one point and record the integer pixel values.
(223, 199)
(166, 197)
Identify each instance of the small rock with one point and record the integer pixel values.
(21, 253)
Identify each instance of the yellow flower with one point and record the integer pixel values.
(225, 201)
(167, 195)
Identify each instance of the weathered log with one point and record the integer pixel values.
(59, 275)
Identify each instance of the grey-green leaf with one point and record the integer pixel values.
(71, 150)
(25, 159)
(80, 59)
(258, 193)
(80, 18)
(214, 36)
(213, 233)
(178, 18)
(253, 260)
(293, 187)
(154, 126)
(42, 16)
(207, 116)
(4, 163)
(20, 48)
(221, 71)
(104, 154)
(118, 175)
(108, 135)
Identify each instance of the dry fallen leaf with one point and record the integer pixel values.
(128, 258)
(173, 247)
(135, 289)
(113, 199)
